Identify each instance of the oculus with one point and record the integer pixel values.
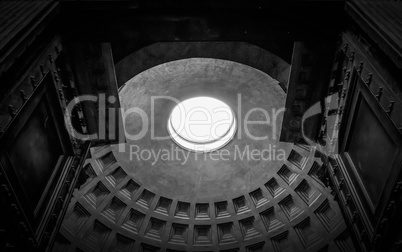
(202, 124)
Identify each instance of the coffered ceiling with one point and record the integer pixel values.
(129, 202)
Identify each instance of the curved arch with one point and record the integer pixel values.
(240, 52)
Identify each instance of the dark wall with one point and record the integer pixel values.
(273, 26)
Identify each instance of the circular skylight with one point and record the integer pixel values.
(202, 124)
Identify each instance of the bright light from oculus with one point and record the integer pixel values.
(202, 124)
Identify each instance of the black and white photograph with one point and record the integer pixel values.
(201, 125)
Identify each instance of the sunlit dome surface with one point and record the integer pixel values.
(202, 124)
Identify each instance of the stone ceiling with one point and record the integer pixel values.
(130, 202)
(203, 177)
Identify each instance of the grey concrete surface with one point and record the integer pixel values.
(202, 177)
